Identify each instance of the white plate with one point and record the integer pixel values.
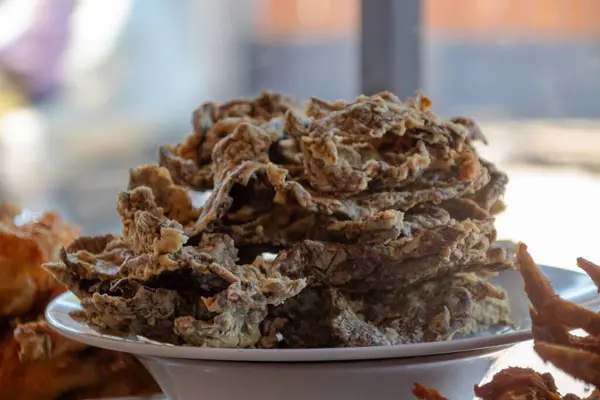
(570, 285)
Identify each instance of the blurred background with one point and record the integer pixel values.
(90, 88)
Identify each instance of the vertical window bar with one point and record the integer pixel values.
(391, 46)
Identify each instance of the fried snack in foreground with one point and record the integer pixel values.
(424, 393)
(22, 250)
(379, 214)
(35, 362)
(553, 319)
(511, 384)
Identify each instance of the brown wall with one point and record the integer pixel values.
(532, 18)
(478, 18)
(307, 18)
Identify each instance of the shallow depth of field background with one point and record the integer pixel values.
(90, 88)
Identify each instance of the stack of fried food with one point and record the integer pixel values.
(336, 224)
(36, 363)
(553, 319)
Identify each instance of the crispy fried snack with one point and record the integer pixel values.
(190, 163)
(553, 319)
(379, 213)
(510, 384)
(22, 250)
(35, 362)
(424, 393)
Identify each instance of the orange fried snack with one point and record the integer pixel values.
(519, 383)
(23, 283)
(35, 362)
(424, 393)
(40, 364)
(553, 319)
(511, 384)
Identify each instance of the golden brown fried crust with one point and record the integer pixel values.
(8, 213)
(22, 250)
(519, 383)
(424, 393)
(553, 319)
(591, 269)
(73, 369)
(510, 384)
(35, 362)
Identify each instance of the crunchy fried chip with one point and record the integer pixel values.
(424, 393)
(22, 250)
(373, 203)
(519, 383)
(35, 362)
(545, 300)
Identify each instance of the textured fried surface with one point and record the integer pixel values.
(35, 362)
(424, 393)
(191, 162)
(22, 249)
(511, 384)
(378, 212)
(462, 303)
(553, 320)
(150, 283)
(38, 364)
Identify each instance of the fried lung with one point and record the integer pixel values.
(379, 215)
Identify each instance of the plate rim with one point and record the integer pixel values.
(67, 301)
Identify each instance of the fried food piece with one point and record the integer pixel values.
(240, 309)
(462, 303)
(191, 163)
(474, 132)
(8, 213)
(489, 197)
(22, 249)
(173, 199)
(424, 393)
(591, 269)
(371, 203)
(553, 319)
(519, 383)
(248, 190)
(37, 363)
(398, 263)
(380, 141)
(216, 302)
(89, 264)
(545, 300)
(511, 384)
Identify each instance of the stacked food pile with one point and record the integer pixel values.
(35, 363)
(339, 224)
(553, 318)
